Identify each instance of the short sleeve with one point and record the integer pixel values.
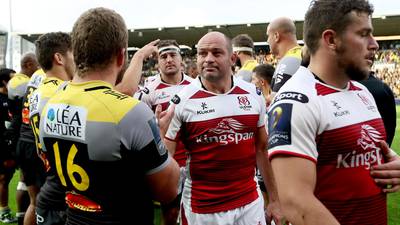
(292, 127)
(140, 133)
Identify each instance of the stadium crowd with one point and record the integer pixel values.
(219, 135)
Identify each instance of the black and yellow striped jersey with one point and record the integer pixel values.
(52, 193)
(102, 144)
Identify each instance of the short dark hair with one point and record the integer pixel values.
(164, 43)
(330, 14)
(98, 36)
(243, 40)
(5, 75)
(49, 44)
(265, 71)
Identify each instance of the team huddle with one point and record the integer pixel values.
(92, 154)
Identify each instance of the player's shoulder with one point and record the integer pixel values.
(294, 52)
(37, 78)
(299, 88)
(102, 102)
(152, 81)
(189, 91)
(49, 86)
(17, 80)
(186, 80)
(112, 98)
(246, 86)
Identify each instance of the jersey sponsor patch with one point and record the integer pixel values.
(176, 99)
(279, 125)
(146, 90)
(65, 120)
(227, 131)
(156, 135)
(295, 96)
(34, 101)
(369, 155)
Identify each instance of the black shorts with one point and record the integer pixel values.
(7, 162)
(31, 165)
(6, 170)
(50, 217)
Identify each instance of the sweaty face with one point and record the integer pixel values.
(170, 63)
(357, 46)
(213, 58)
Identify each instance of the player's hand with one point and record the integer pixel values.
(274, 212)
(149, 51)
(164, 118)
(388, 173)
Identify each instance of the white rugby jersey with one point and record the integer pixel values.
(340, 131)
(157, 92)
(218, 131)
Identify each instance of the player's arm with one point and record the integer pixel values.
(145, 148)
(388, 173)
(164, 183)
(171, 146)
(296, 178)
(263, 164)
(292, 128)
(132, 75)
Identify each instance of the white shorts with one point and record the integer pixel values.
(250, 214)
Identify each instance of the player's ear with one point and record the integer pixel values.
(121, 57)
(277, 37)
(233, 58)
(330, 39)
(58, 58)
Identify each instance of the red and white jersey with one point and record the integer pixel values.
(157, 92)
(339, 130)
(218, 131)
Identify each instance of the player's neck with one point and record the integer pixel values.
(173, 80)
(327, 69)
(108, 75)
(266, 91)
(57, 72)
(219, 87)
